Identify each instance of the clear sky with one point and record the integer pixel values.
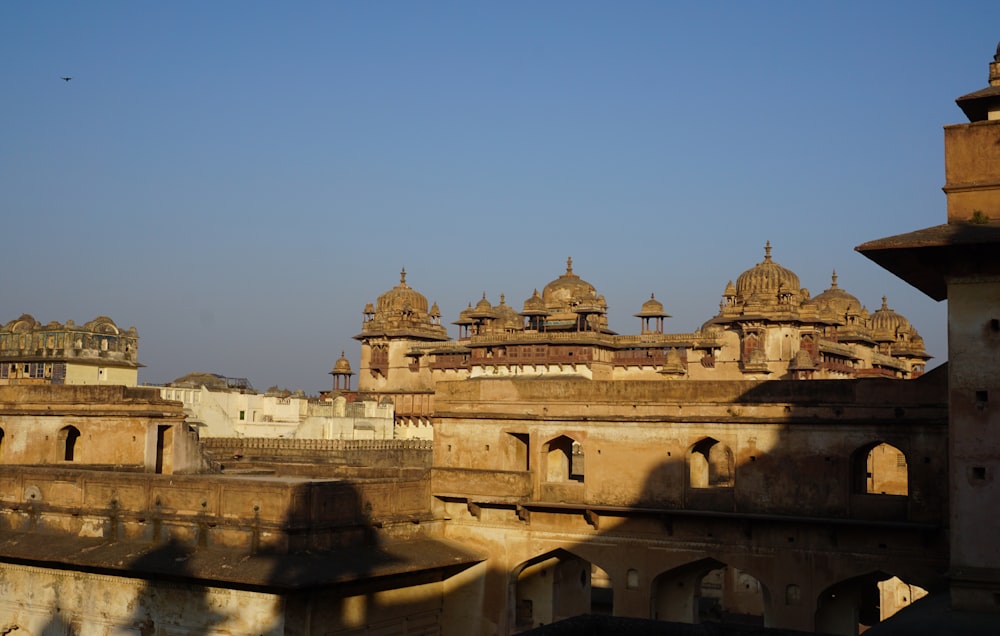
(237, 179)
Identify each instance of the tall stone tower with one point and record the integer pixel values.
(399, 319)
(960, 261)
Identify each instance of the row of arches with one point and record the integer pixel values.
(560, 584)
(876, 468)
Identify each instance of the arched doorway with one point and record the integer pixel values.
(558, 585)
(852, 606)
(708, 591)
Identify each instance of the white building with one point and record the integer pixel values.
(217, 406)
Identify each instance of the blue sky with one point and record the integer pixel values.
(237, 179)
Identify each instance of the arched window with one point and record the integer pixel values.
(880, 469)
(68, 435)
(563, 460)
(1, 442)
(710, 465)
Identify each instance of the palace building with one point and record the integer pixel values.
(768, 327)
(788, 467)
(96, 352)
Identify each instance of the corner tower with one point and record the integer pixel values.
(960, 261)
(399, 320)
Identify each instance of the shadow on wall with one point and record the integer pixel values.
(313, 556)
(805, 528)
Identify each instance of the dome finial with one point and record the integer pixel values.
(767, 252)
(885, 305)
(402, 276)
(833, 280)
(569, 265)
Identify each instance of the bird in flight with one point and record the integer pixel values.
(66, 79)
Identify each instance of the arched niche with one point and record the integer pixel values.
(710, 464)
(68, 446)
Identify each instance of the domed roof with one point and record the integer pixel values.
(888, 325)
(402, 311)
(342, 366)
(765, 280)
(652, 308)
(463, 316)
(506, 317)
(534, 305)
(401, 297)
(568, 289)
(838, 301)
(23, 324)
(483, 309)
(802, 361)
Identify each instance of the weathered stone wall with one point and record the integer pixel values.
(218, 512)
(657, 483)
(95, 425)
(37, 600)
(316, 457)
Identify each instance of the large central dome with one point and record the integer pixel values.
(765, 280)
(567, 290)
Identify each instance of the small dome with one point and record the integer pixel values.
(711, 327)
(765, 280)
(435, 311)
(506, 318)
(652, 308)
(483, 309)
(342, 366)
(887, 325)
(838, 301)
(24, 324)
(464, 318)
(534, 305)
(567, 290)
(802, 361)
